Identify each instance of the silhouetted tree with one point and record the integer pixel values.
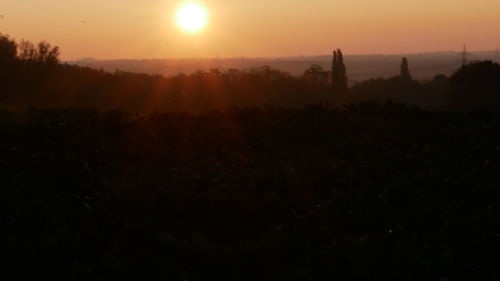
(8, 50)
(26, 51)
(339, 76)
(42, 53)
(47, 53)
(316, 74)
(475, 85)
(405, 71)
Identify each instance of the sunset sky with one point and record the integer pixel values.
(146, 28)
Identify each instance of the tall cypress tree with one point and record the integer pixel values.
(339, 76)
(342, 71)
(405, 70)
(334, 69)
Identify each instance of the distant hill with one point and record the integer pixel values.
(359, 67)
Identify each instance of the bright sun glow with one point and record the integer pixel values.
(191, 17)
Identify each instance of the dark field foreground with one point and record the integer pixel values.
(372, 192)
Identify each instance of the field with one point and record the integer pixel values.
(368, 191)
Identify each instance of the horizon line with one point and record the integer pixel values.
(276, 57)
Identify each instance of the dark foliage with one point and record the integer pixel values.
(397, 88)
(262, 193)
(8, 51)
(315, 74)
(476, 85)
(371, 192)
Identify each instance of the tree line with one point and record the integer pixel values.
(32, 75)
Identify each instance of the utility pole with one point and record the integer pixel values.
(465, 56)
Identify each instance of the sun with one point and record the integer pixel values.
(191, 17)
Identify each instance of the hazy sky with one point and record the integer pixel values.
(145, 28)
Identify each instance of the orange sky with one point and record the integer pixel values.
(145, 28)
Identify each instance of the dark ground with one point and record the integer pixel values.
(371, 192)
